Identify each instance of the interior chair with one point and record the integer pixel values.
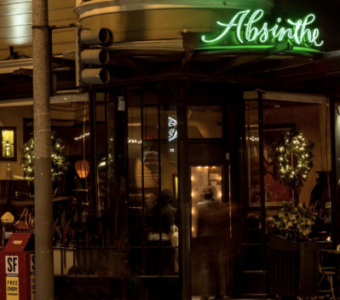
(328, 274)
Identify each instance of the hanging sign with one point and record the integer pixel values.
(250, 29)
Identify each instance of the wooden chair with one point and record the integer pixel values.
(328, 273)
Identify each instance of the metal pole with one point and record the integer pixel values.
(184, 197)
(42, 152)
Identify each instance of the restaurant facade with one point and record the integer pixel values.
(241, 98)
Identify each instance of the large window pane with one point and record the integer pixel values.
(312, 185)
(135, 207)
(252, 232)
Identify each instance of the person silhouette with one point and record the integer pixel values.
(211, 231)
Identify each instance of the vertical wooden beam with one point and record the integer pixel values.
(184, 198)
(262, 187)
(93, 139)
(235, 117)
(335, 174)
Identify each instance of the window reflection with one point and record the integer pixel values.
(152, 204)
(204, 122)
(251, 239)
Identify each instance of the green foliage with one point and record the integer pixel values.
(292, 141)
(59, 164)
(295, 223)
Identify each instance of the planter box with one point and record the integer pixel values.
(293, 267)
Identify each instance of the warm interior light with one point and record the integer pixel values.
(83, 168)
(220, 194)
(206, 167)
(192, 194)
(192, 177)
(198, 167)
(193, 211)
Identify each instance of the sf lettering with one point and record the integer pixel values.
(12, 264)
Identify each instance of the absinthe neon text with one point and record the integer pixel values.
(298, 33)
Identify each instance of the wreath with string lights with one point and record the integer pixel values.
(59, 163)
(293, 142)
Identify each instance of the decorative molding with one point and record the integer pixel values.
(8, 66)
(291, 97)
(71, 96)
(170, 45)
(100, 7)
(162, 45)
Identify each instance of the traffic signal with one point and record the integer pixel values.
(90, 56)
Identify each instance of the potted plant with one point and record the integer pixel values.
(295, 223)
(293, 261)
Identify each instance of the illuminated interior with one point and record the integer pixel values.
(7, 137)
(202, 176)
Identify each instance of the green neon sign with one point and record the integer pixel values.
(251, 30)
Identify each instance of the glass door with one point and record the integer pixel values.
(209, 232)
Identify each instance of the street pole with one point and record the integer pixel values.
(44, 279)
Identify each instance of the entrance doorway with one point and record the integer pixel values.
(209, 231)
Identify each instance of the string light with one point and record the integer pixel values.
(82, 136)
(59, 163)
(292, 142)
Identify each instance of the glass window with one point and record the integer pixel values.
(205, 122)
(168, 182)
(152, 172)
(71, 164)
(300, 176)
(135, 208)
(252, 242)
(101, 148)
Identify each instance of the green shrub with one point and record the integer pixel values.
(295, 223)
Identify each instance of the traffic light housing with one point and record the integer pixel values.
(91, 56)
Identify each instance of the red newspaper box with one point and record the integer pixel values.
(17, 267)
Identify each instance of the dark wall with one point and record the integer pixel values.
(327, 14)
